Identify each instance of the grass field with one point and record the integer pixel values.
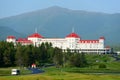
(53, 73)
(7, 71)
(92, 72)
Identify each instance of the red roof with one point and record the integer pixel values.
(73, 35)
(33, 64)
(35, 35)
(11, 37)
(107, 47)
(21, 39)
(89, 41)
(102, 37)
(24, 40)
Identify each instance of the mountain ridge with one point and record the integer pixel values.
(58, 22)
(6, 31)
(56, 8)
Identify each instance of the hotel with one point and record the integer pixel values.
(72, 41)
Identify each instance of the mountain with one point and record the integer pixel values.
(58, 22)
(6, 31)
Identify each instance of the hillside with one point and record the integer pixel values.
(58, 22)
(6, 31)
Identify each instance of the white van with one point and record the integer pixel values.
(15, 72)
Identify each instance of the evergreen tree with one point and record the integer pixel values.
(78, 60)
(2, 48)
(36, 55)
(19, 55)
(58, 57)
(7, 52)
(83, 60)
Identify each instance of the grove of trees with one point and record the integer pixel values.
(24, 56)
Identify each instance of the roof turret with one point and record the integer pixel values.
(35, 35)
(73, 35)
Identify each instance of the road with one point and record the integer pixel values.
(116, 57)
(35, 70)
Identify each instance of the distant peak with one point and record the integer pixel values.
(57, 8)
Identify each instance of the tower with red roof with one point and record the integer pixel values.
(72, 40)
(11, 39)
(35, 38)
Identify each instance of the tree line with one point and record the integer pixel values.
(24, 56)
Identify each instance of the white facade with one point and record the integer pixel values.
(11, 39)
(71, 41)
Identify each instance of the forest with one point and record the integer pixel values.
(24, 56)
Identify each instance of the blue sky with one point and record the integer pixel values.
(15, 7)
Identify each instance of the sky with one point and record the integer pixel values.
(15, 7)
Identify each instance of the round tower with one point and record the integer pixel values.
(72, 40)
(35, 38)
(102, 42)
(11, 39)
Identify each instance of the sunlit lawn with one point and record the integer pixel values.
(53, 73)
(62, 76)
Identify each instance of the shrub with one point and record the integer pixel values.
(102, 66)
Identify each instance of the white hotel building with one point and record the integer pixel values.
(72, 41)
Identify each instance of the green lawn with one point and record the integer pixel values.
(53, 73)
(92, 72)
(7, 71)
